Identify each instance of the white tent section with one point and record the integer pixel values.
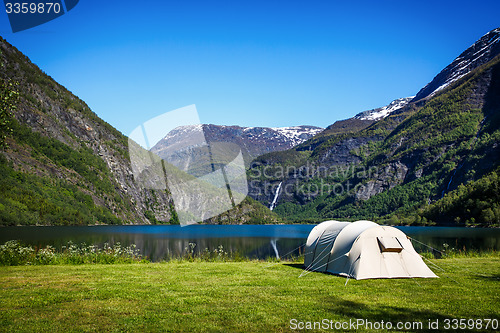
(363, 250)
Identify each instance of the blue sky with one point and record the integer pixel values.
(250, 63)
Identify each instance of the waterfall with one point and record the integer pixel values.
(273, 204)
(273, 244)
(451, 179)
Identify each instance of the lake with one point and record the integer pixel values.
(252, 241)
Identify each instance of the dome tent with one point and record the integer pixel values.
(363, 250)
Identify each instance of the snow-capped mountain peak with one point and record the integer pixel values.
(380, 113)
(254, 141)
(297, 134)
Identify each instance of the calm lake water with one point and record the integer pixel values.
(252, 241)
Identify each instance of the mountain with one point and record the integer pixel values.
(435, 159)
(480, 53)
(253, 141)
(432, 160)
(355, 124)
(63, 165)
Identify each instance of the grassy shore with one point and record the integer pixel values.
(234, 296)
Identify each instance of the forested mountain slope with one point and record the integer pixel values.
(63, 165)
(416, 165)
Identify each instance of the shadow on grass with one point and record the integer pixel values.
(377, 312)
(299, 266)
(302, 268)
(491, 277)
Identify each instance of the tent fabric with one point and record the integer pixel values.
(319, 243)
(363, 250)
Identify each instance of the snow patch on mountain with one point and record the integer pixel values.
(293, 135)
(479, 53)
(297, 134)
(380, 113)
(255, 140)
(462, 67)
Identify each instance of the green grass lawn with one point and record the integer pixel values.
(234, 296)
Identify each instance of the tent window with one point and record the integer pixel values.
(389, 244)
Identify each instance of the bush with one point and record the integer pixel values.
(13, 253)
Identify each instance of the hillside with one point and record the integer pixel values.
(63, 165)
(410, 166)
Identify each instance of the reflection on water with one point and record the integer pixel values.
(252, 241)
(441, 238)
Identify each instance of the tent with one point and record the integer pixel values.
(363, 250)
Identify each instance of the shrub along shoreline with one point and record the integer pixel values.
(14, 253)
